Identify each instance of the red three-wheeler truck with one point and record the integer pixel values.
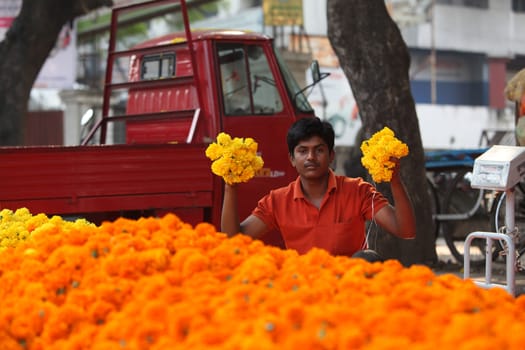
(182, 90)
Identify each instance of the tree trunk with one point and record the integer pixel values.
(23, 52)
(375, 59)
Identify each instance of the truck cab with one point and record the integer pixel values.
(240, 77)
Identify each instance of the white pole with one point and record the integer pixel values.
(509, 209)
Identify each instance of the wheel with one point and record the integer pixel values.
(521, 260)
(497, 219)
(434, 203)
(461, 198)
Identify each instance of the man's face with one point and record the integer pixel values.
(312, 157)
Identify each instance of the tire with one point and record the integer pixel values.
(434, 203)
(461, 198)
(497, 217)
(521, 261)
(497, 220)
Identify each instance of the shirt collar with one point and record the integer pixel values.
(298, 191)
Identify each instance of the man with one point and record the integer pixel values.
(321, 209)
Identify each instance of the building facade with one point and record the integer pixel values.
(463, 52)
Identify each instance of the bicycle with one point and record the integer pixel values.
(458, 209)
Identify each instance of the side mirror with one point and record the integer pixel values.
(314, 69)
(86, 117)
(317, 76)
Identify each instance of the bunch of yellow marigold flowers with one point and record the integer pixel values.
(378, 151)
(160, 283)
(18, 226)
(235, 160)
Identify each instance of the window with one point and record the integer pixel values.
(158, 66)
(483, 4)
(299, 100)
(248, 85)
(518, 5)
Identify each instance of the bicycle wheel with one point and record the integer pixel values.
(462, 199)
(434, 204)
(497, 218)
(521, 260)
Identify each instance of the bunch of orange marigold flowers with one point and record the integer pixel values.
(160, 283)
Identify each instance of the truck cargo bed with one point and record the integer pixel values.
(104, 178)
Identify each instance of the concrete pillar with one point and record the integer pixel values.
(77, 102)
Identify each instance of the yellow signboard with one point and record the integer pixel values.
(283, 12)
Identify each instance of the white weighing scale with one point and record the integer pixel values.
(500, 168)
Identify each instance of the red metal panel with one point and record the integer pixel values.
(175, 98)
(79, 205)
(162, 99)
(270, 134)
(169, 130)
(104, 178)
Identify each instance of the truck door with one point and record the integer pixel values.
(255, 104)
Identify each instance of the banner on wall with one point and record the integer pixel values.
(59, 70)
(283, 12)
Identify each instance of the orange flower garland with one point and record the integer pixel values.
(163, 284)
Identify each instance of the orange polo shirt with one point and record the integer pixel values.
(338, 226)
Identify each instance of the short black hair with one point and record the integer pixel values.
(305, 128)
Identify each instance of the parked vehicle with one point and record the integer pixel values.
(182, 90)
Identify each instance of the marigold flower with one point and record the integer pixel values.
(235, 160)
(159, 283)
(377, 152)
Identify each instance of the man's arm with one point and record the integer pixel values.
(398, 219)
(230, 223)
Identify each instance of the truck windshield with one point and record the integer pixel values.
(248, 84)
(301, 102)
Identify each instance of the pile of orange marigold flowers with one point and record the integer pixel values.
(159, 283)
